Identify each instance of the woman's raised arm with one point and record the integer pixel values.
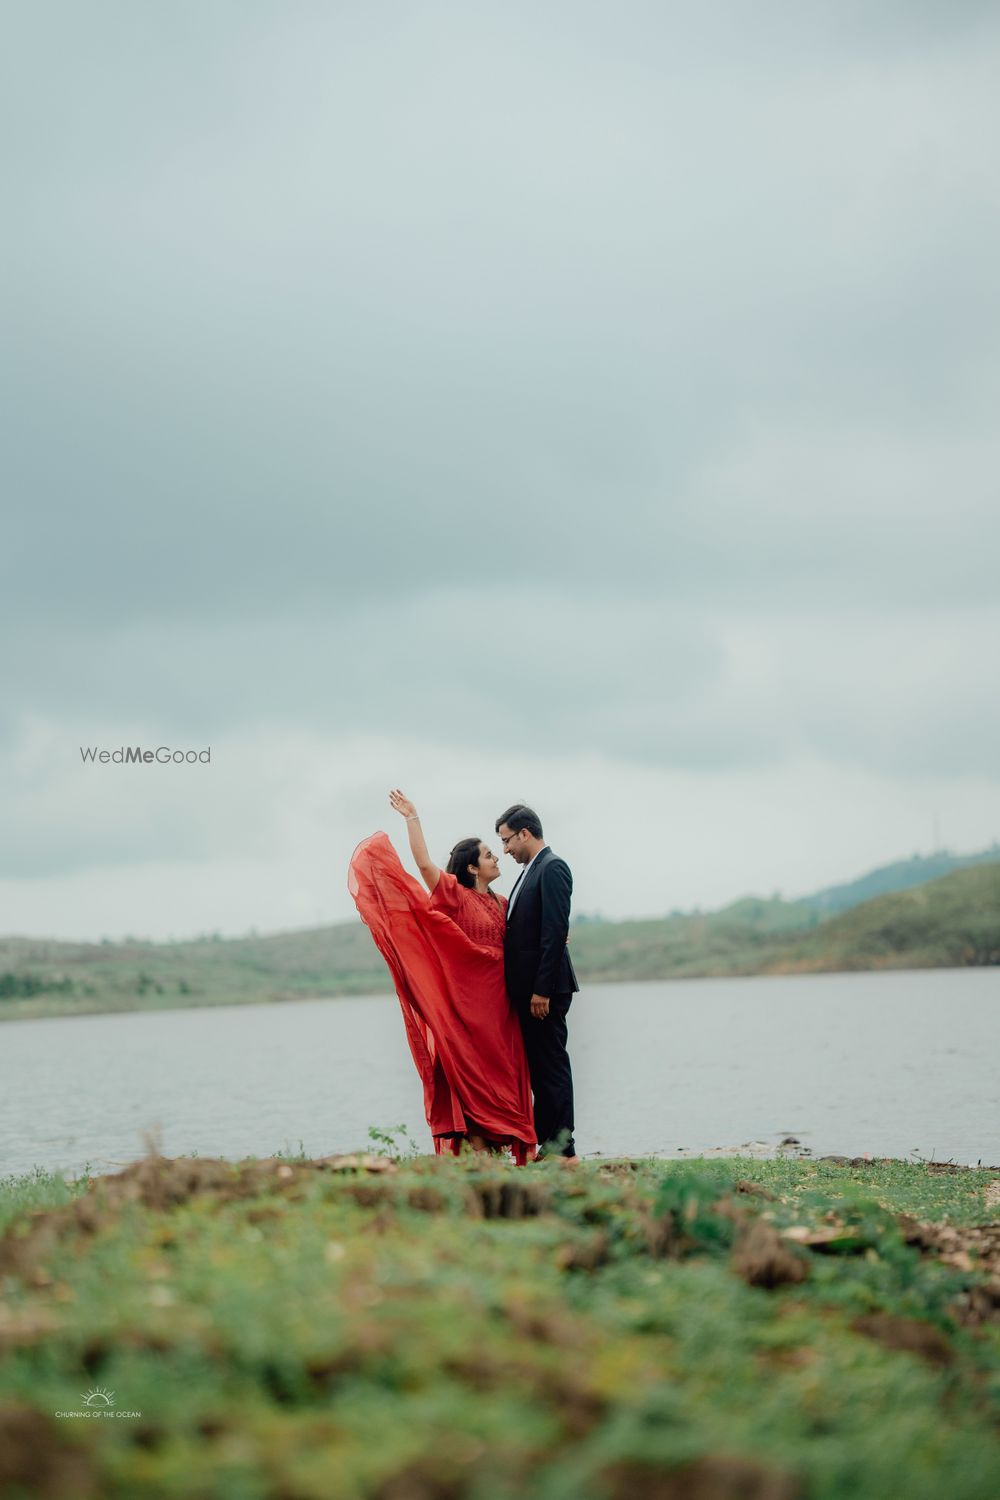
(418, 844)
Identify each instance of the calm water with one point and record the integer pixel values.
(882, 1063)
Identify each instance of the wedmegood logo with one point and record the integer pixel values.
(134, 755)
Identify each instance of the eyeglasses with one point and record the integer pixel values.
(510, 836)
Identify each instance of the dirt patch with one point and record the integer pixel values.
(508, 1200)
(421, 1481)
(950, 1168)
(587, 1253)
(36, 1459)
(967, 1247)
(964, 1247)
(427, 1200)
(754, 1190)
(909, 1334)
(23, 1327)
(762, 1257)
(160, 1183)
(714, 1477)
(935, 1168)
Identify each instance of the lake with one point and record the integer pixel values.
(889, 1063)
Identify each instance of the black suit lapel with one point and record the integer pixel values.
(532, 876)
(517, 882)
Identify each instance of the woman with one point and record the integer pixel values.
(445, 953)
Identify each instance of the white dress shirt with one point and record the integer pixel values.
(520, 880)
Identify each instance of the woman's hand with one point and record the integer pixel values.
(415, 834)
(402, 804)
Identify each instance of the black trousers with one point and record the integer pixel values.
(551, 1075)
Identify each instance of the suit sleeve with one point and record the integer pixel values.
(556, 889)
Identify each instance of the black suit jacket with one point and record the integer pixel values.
(536, 959)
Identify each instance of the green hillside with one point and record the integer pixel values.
(951, 922)
(40, 977)
(903, 875)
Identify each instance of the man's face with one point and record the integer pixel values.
(513, 844)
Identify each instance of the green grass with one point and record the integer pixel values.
(460, 1330)
(951, 922)
(948, 923)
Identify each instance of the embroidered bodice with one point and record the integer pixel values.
(482, 918)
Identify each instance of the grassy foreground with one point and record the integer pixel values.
(432, 1329)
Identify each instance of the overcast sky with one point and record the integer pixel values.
(589, 404)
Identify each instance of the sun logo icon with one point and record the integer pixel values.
(99, 1397)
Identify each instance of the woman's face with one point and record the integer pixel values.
(489, 865)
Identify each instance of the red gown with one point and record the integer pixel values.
(445, 954)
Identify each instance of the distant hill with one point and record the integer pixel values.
(901, 876)
(953, 922)
(949, 922)
(775, 914)
(41, 977)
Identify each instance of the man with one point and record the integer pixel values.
(540, 978)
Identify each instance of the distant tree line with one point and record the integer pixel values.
(18, 986)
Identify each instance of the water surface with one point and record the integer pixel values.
(889, 1063)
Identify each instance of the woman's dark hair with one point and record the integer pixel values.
(518, 817)
(464, 854)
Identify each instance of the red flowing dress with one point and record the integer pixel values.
(445, 954)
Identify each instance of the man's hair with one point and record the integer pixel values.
(519, 816)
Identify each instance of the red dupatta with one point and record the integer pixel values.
(448, 989)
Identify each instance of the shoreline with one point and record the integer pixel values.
(45, 1008)
(366, 1159)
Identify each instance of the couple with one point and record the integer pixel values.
(484, 983)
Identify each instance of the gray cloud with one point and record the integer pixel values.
(348, 351)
